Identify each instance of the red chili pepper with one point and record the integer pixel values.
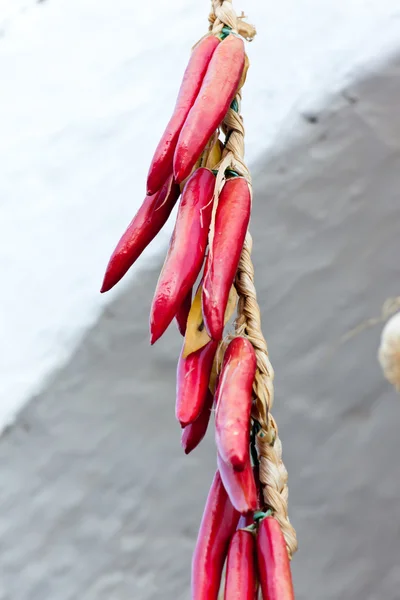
(233, 400)
(217, 527)
(273, 562)
(161, 164)
(216, 94)
(246, 521)
(186, 252)
(194, 432)
(241, 580)
(231, 222)
(145, 225)
(240, 486)
(183, 313)
(193, 376)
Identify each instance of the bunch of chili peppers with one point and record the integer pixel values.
(233, 531)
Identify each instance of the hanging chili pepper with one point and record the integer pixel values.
(193, 433)
(186, 251)
(240, 486)
(217, 527)
(273, 562)
(246, 521)
(145, 225)
(212, 103)
(241, 580)
(193, 376)
(161, 164)
(183, 313)
(233, 399)
(231, 222)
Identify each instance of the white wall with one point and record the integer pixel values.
(85, 90)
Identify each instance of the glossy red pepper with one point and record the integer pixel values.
(145, 225)
(217, 527)
(193, 433)
(273, 562)
(246, 520)
(193, 376)
(231, 222)
(233, 399)
(212, 103)
(161, 164)
(186, 251)
(241, 580)
(240, 486)
(183, 313)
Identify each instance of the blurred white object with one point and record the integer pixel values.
(389, 351)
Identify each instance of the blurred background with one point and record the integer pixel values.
(97, 500)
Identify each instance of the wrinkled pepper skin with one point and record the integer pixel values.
(162, 161)
(241, 580)
(233, 400)
(148, 221)
(193, 433)
(192, 379)
(240, 486)
(183, 313)
(231, 222)
(273, 562)
(212, 103)
(217, 527)
(186, 251)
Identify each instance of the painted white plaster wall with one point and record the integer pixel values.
(86, 88)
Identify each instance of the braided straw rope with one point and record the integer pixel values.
(273, 474)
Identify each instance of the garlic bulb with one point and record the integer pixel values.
(389, 351)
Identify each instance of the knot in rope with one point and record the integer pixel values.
(223, 15)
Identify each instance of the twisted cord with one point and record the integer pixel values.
(273, 474)
(222, 13)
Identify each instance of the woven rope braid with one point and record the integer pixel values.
(273, 474)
